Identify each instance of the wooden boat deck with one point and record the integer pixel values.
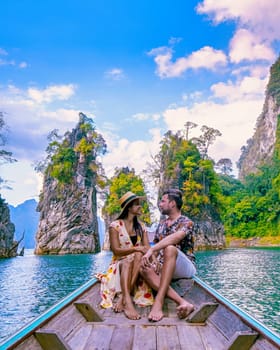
(84, 325)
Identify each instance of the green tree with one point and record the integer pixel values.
(62, 156)
(206, 139)
(253, 207)
(224, 165)
(125, 180)
(179, 164)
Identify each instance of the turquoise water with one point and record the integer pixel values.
(31, 284)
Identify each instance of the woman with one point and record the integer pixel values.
(129, 242)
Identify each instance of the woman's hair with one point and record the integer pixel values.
(136, 224)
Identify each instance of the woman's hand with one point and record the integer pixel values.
(141, 249)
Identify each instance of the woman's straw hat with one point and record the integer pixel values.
(127, 198)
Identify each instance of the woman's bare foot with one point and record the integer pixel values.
(130, 311)
(156, 313)
(118, 306)
(184, 309)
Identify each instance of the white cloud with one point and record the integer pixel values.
(261, 18)
(11, 62)
(115, 74)
(51, 93)
(25, 183)
(207, 57)
(247, 88)
(145, 116)
(254, 70)
(23, 65)
(247, 46)
(135, 154)
(140, 116)
(61, 115)
(229, 118)
(30, 120)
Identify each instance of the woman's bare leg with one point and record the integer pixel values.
(126, 267)
(135, 270)
(118, 305)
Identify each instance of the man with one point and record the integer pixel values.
(174, 246)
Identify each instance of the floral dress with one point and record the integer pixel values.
(110, 280)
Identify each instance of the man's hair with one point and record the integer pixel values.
(176, 195)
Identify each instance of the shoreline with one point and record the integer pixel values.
(256, 242)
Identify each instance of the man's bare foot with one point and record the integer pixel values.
(156, 313)
(184, 309)
(130, 311)
(118, 306)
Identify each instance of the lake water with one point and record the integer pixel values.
(29, 285)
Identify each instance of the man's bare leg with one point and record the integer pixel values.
(162, 285)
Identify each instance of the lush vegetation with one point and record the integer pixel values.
(247, 209)
(124, 180)
(184, 164)
(63, 157)
(252, 208)
(273, 87)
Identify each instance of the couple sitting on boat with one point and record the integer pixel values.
(137, 268)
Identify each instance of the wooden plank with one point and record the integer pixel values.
(30, 343)
(66, 321)
(89, 313)
(79, 339)
(201, 314)
(49, 339)
(242, 340)
(264, 344)
(122, 337)
(170, 307)
(143, 311)
(167, 338)
(212, 339)
(93, 298)
(196, 295)
(228, 322)
(144, 338)
(182, 285)
(190, 338)
(99, 338)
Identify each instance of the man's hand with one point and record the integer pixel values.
(146, 258)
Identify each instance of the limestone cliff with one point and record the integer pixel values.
(260, 147)
(8, 247)
(68, 208)
(209, 234)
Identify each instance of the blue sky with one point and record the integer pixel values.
(137, 68)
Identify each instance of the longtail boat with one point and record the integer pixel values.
(78, 322)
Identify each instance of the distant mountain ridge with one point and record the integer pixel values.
(25, 218)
